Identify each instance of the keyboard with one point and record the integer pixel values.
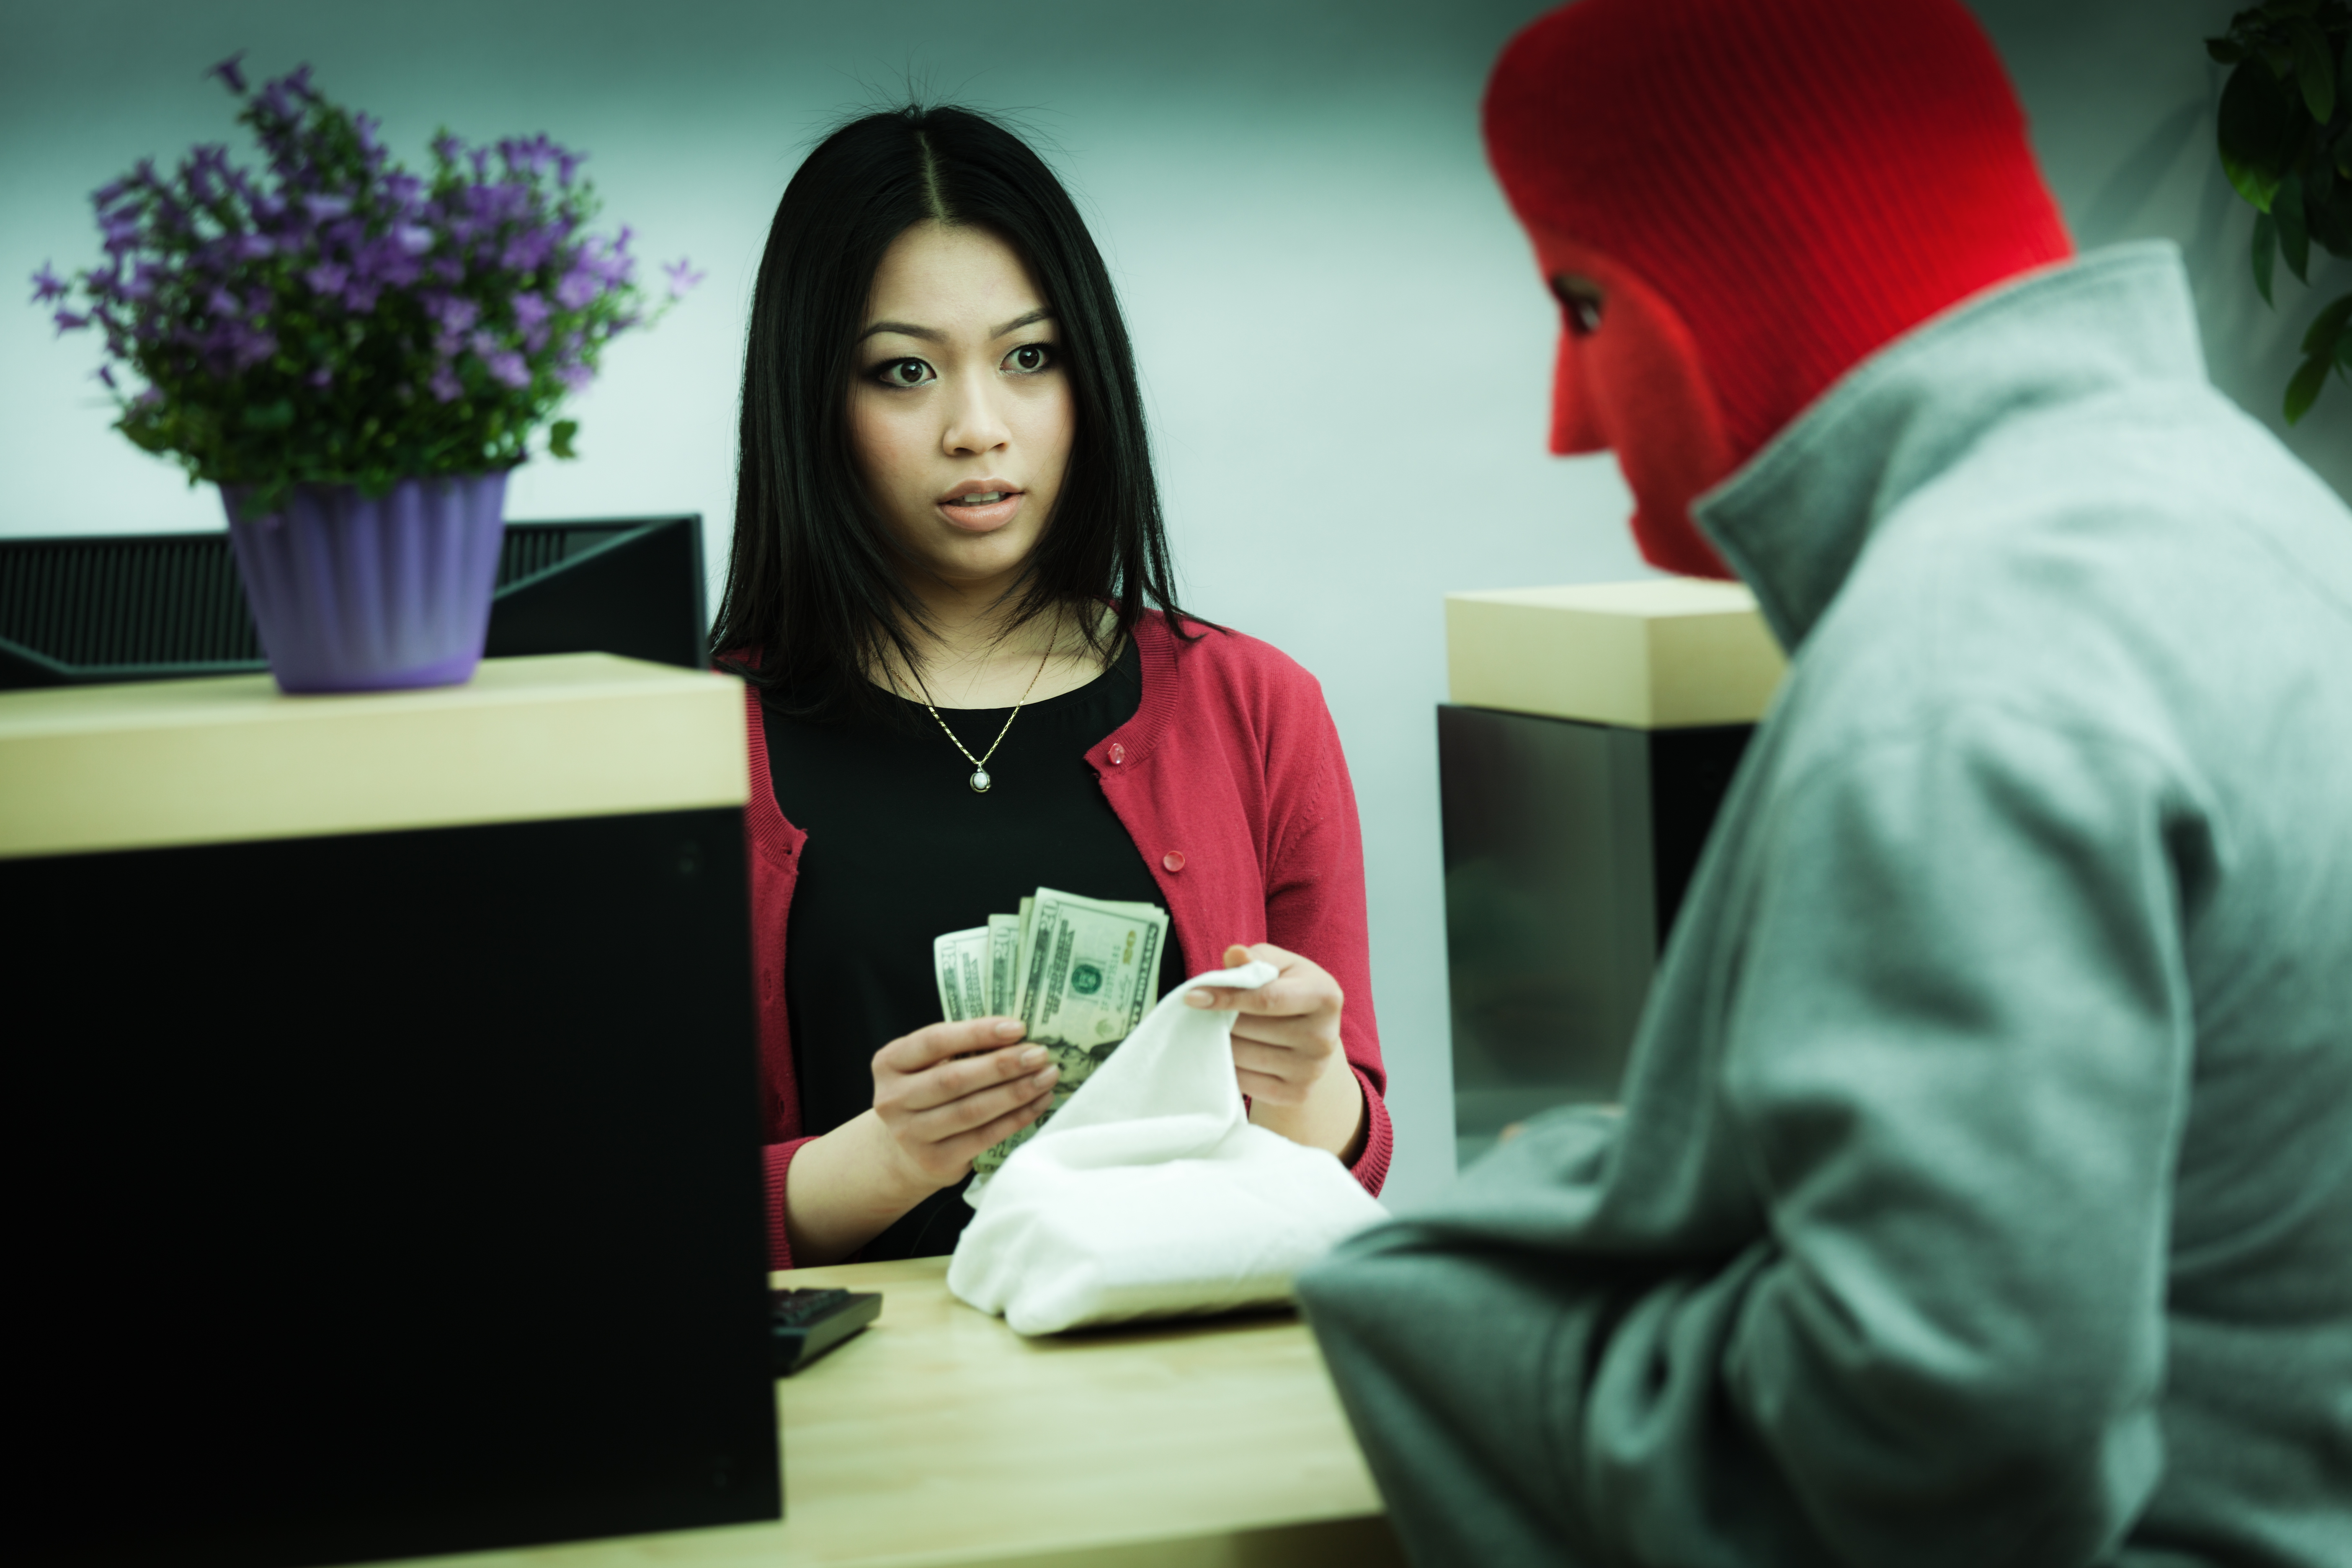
(807, 1323)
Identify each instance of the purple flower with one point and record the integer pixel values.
(414, 239)
(443, 384)
(455, 313)
(449, 150)
(251, 247)
(575, 377)
(508, 369)
(578, 289)
(49, 286)
(321, 209)
(566, 162)
(483, 344)
(528, 250)
(327, 278)
(248, 347)
(530, 311)
(321, 378)
(682, 277)
(106, 376)
(229, 71)
(224, 304)
(359, 298)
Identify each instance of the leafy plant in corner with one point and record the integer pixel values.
(2285, 135)
(338, 320)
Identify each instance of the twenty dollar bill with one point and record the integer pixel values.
(1079, 972)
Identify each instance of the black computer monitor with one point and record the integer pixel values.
(97, 607)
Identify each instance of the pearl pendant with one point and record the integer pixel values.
(979, 781)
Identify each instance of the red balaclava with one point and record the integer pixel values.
(1767, 191)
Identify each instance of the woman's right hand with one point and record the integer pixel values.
(949, 1090)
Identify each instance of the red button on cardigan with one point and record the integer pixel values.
(1174, 859)
(1118, 753)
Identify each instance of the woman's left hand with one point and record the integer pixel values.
(1288, 1035)
(1287, 1051)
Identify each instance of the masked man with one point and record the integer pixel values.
(1982, 1192)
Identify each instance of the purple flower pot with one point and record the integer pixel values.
(355, 593)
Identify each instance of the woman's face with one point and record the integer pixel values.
(959, 412)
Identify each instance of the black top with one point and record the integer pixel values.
(901, 849)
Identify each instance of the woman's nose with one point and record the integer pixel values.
(975, 423)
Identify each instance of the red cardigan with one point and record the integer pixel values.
(1231, 782)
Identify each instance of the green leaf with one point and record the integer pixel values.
(2294, 235)
(2314, 71)
(2265, 253)
(277, 416)
(2327, 207)
(2223, 51)
(559, 437)
(2302, 391)
(2327, 328)
(2252, 130)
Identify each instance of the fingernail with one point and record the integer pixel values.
(1033, 1056)
(1048, 1076)
(1007, 1027)
(1199, 999)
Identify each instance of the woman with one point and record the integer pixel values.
(949, 591)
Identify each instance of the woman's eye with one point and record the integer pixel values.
(904, 373)
(1029, 359)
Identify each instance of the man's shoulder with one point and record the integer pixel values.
(2145, 571)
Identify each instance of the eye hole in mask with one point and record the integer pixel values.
(1579, 303)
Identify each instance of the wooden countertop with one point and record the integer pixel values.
(939, 1437)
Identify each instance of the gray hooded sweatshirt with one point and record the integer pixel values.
(1982, 1192)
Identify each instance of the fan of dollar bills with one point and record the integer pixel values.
(1079, 973)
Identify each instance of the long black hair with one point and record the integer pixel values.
(815, 594)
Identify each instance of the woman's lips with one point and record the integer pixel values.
(975, 515)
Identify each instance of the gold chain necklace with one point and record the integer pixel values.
(980, 779)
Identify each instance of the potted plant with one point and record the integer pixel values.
(2285, 135)
(356, 355)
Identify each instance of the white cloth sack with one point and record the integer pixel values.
(1149, 1194)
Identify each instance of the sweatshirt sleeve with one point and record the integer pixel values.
(1948, 1063)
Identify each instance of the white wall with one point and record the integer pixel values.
(1343, 345)
(2121, 97)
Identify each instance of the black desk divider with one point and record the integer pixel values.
(97, 607)
(384, 1194)
(1568, 848)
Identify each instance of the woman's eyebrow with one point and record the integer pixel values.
(1042, 312)
(904, 329)
(933, 336)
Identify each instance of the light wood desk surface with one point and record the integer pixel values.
(939, 1437)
